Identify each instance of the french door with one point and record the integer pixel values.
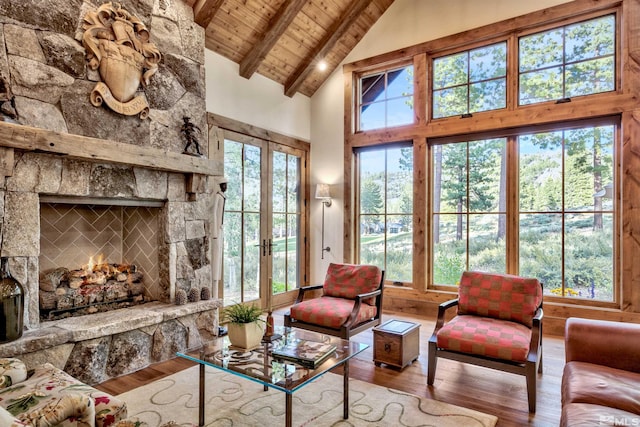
(264, 221)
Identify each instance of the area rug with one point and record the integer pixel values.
(234, 401)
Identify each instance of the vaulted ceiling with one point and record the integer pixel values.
(285, 40)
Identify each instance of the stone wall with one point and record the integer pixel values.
(43, 60)
(42, 57)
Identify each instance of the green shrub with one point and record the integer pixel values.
(241, 313)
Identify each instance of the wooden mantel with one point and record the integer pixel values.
(27, 138)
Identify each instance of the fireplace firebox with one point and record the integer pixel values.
(97, 256)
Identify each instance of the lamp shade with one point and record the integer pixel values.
(322, 191)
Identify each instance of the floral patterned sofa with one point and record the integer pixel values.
(51, 397)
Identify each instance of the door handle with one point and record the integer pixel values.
(264, 247)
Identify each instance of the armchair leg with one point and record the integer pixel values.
(433, 360)
(531, 385)
(540, 359)
(287, 320)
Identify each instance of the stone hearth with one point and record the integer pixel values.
(106, 345)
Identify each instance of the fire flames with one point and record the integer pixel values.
(90, 288)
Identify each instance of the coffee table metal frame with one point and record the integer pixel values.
(259, 366)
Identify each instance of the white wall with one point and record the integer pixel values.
(258, 101)
(405, 23)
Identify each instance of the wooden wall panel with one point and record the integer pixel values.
(631, 212)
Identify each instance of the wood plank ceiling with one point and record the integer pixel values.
(284, 40)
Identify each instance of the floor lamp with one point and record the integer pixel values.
(323, 193)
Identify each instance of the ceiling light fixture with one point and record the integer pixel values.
(322, 65)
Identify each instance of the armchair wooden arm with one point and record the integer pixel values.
(303, 290)
(356, 307)
(536, 338)
(442, 310)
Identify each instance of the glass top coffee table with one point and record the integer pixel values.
(260, 366)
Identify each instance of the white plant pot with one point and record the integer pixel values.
(246, 335)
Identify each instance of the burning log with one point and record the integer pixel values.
(48, 300)
(75, 282)
(53, 279)
(96, 278)
(63, 290)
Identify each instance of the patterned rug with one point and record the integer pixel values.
(234, 401)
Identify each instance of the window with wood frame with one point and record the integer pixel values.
(563, 179)
(468, 208)
(385, 210)
(385, 99)
(492, 184)
(569, 61)
(566, 210)
(471, 81)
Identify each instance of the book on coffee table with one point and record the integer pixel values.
(306, 353)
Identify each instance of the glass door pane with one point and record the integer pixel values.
(264, 222)
(286, 214)
(242, 236)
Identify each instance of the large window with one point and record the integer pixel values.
(469, 207)
(470, 81)
(386, 99)
(515, 158)
(566, 211)
(386, 210)
(565, 62)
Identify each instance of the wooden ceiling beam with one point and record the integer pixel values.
(205, 10)
(277, 26)
(334, 34)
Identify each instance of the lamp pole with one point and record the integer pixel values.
(326, 203)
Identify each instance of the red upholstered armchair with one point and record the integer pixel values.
(351, 302)
(498, 325)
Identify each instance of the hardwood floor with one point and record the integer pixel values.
(501, 394)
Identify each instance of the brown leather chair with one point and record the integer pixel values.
(351, 302)
(498, 326)
(601, 377)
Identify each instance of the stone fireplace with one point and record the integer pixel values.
(98, 256)
(58, 212)
(79, 180)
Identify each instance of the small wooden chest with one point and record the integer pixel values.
(396, 343)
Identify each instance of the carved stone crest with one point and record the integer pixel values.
(117, 45)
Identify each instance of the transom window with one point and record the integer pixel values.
(569, 61)
(386, 99)
(470, 81)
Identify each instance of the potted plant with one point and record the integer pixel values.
(245, 325)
